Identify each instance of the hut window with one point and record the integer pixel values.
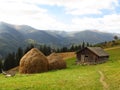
(86, 56)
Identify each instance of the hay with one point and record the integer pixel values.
(67, 55)
(15, 69)
(56, 62)
(33, 62)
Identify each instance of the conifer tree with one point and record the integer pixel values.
(19, 55)
(9, 62)
(72, 48)
(83, 45)
(0, 66)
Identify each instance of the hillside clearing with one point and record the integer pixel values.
(75, 77)
(67, 55)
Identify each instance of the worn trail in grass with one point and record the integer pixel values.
(102, 80)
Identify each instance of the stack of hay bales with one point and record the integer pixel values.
(56, 62)
(33, 62)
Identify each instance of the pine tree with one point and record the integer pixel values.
(19, 55)
(58, 50)
(83, 45)
(31, 46)
(48, 50)
(79, 47)
(87, 44)
(26, 50)
(0, 66)
(45, 49)
(9, 62)
(72, 48)
(64, 49)
(116, 37)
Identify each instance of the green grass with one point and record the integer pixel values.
(75, 77)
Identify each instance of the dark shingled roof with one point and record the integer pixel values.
(98, 51)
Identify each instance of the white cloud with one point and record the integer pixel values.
(112, 22)
(90, 6)
(13, 11)
(79, 7)
(19, 12)
(109, 23)
(27, 12)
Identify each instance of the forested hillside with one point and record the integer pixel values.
(15, 36)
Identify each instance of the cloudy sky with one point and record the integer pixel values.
(69, 15)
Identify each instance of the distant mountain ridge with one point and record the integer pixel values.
(14, 36)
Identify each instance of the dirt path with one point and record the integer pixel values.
(105, 85)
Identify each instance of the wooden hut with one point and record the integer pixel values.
(91, 55)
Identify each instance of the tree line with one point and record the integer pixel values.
(108, 44)
(12, 59)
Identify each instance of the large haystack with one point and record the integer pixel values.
(33, 62)
(56, 62)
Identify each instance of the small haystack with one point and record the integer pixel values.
(56, 62)
(33, 62)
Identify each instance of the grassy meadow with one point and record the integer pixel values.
(75, 77)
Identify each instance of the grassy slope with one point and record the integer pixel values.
(73, 78)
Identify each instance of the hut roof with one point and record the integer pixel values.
(96, 50)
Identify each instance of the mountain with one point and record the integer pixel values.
(40, 36)
(90, 36)
(10, 39)
(14, 36)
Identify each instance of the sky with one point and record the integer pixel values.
(68, 15)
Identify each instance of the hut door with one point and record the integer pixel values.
(82, 58)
